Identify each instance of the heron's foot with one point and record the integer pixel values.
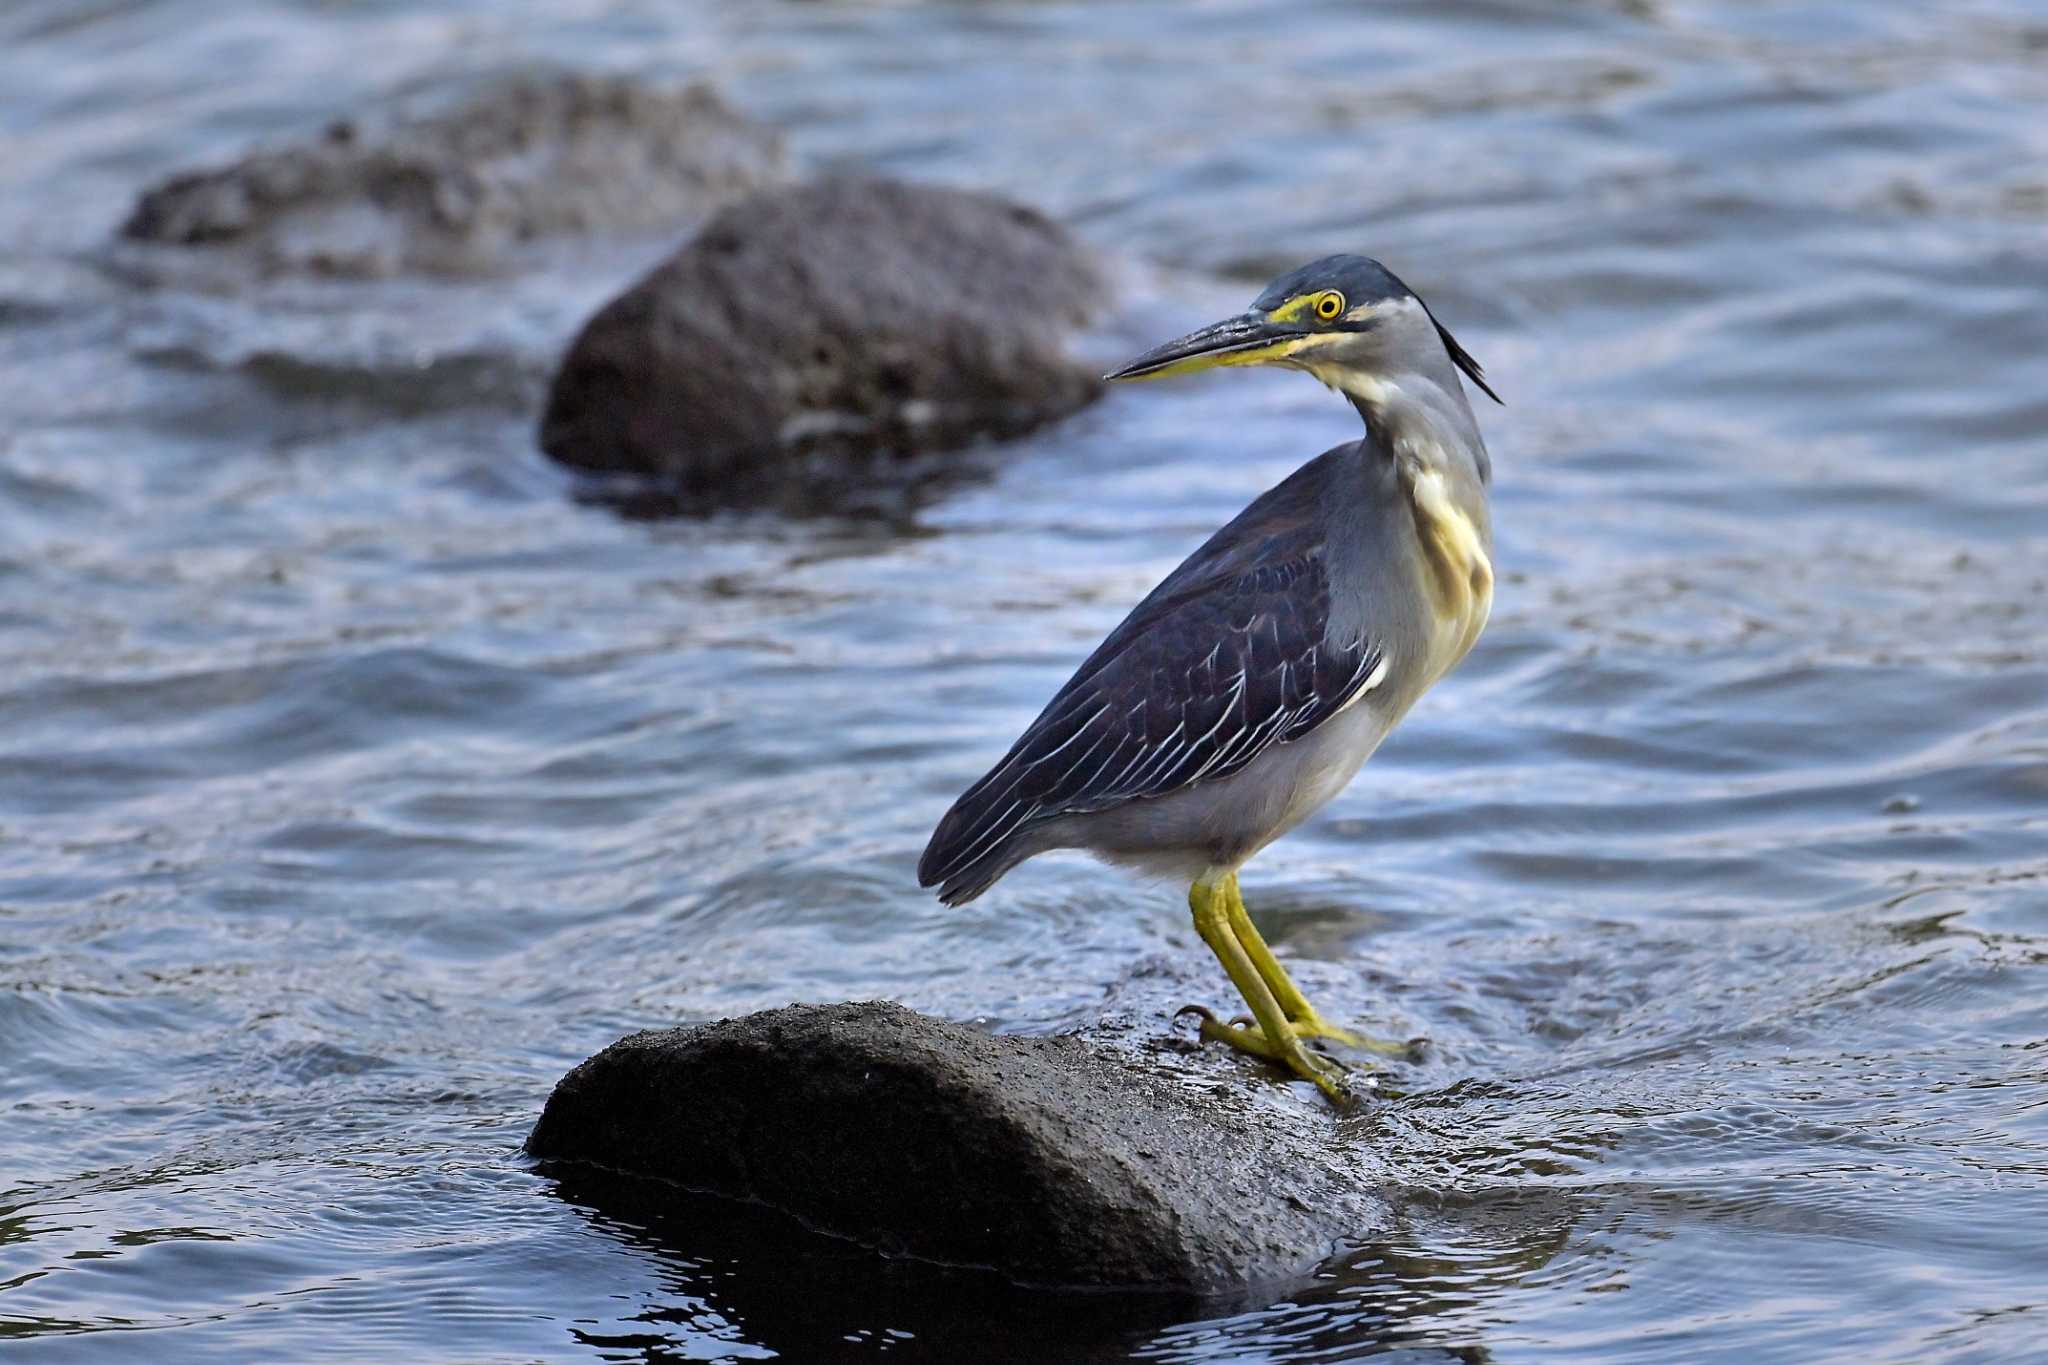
(1248, 1038)
(1313, 1025)
(1325, 1071)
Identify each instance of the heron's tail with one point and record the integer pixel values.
(954, 863)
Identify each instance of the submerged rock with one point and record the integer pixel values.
(846, 317)
(1048, 1159)
(452, 192)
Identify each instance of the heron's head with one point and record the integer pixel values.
(1348, 320)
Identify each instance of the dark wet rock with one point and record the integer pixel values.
(1052, 1160)
(453, 192)
(847, 317)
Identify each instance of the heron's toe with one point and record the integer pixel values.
(1329, 1074)
(1239, 1033)
(1314, 1025)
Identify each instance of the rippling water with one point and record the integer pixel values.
(358, 779)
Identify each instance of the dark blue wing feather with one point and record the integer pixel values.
(1227, 657)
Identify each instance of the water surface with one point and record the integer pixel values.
(358, 778)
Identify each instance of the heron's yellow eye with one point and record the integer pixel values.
(1328, 305)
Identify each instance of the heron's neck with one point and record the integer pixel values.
(1429, 442)
(1415, 417)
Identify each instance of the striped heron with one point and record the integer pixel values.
(1250, 686)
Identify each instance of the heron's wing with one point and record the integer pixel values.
(1229, 656)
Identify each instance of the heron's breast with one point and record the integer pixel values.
(1458, 573)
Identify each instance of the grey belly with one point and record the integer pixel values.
(1218, 825)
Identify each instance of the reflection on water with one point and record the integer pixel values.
(361, 774)
(758, 1284)
(764, 1285)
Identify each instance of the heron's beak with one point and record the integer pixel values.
(1247, 339)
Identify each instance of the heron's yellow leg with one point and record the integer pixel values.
(1274, 1039)
(1293, 1004)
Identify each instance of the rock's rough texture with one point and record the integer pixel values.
(1052, 1161)
(451, 193)
(845, 317)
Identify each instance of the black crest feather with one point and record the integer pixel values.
(1462, 358)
